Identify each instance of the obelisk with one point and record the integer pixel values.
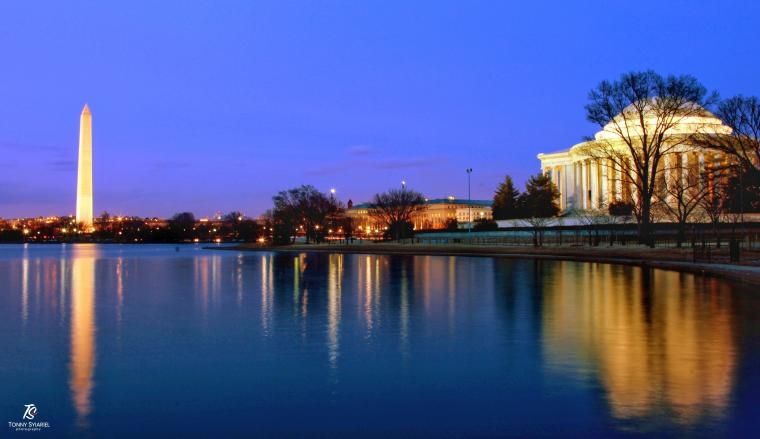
(84, 170)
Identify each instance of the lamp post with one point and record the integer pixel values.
(469, 202)
(403, 185)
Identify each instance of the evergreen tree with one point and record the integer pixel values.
(540, 198)
(505, 200)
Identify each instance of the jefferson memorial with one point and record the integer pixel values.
(586, 181)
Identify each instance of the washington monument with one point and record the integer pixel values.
(84, 170)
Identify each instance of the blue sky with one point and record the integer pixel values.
(215, 106)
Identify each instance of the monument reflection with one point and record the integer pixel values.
(82, 354)
(660, 343)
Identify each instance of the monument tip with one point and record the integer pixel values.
(86, 109)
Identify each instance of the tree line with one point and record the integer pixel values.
(306, 211)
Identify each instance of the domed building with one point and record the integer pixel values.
(590, 179)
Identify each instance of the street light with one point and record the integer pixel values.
(403, 184)
(469, 202)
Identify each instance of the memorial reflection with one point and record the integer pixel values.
(82, 354)
(660, 343)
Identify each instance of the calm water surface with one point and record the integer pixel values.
(128, 341)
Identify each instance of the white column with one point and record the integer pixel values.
(560, 186)
(668, 169)
(618, 176)
(584, 185)
(593, 174)
(578, 185)
(605, 194)
(701, 169)
(632, 184)
(572, 189)
(685, 168)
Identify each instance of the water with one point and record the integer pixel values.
(127, 341)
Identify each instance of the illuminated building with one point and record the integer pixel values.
(84, 170)
(590, 183)
(436, 215)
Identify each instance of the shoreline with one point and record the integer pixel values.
(664, 259)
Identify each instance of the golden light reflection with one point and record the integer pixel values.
(267, 292)
(201, 280)
(452, 292)
(404, 312)
(62, 288)
(82, 359)
(216, 278)
(669, 351)
(299, 265)
(334, 291)
(370, 286)
(239, 278)
(438, 285)
(25, 286)
(119, 287)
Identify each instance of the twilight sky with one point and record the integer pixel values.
(215, 105)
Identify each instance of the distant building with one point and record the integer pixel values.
(437, 214)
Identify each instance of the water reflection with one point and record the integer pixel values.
(82, 355)
(267, 292)
(607, 347)
(119, 287)
(334, 291)
(404, 312)
(664, 351)
(25, 286)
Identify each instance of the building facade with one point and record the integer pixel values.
(587, 181)
(437, 214)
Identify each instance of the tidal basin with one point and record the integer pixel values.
(164, 340)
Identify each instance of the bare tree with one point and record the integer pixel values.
(715, 203)
(305, 207)
(395, 210)
(680, 196)
(742, 115)
(538, 224)
(640, 114)
(591, 219)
